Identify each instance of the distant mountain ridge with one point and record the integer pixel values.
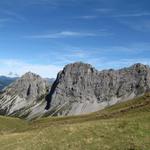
(50, 80)
(5, 81)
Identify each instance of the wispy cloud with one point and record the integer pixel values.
(98, 57)
(96, 15)
(73, 34)
(13, 15)
(52, 3)
(10, 17)
(88, 17)
(21, 67)
(120, 63)
(116, 13)
(132, 14)
(63, 34)
(138, 21)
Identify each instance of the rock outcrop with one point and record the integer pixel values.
(25, 97)
(80, 88)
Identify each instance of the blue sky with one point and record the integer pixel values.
(44, 35)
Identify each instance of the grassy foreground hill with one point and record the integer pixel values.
(125, 126)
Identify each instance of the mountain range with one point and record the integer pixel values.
(78, 89)
(5, 81)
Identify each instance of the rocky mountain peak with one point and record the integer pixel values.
(139, 66)
(75, 70)
(24, 96)
(30, 75)
(28, 86)
(77, 67)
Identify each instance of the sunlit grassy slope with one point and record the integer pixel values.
(125, 126)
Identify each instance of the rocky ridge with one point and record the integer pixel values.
(80, 88)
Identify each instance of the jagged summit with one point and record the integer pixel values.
(30, 75)
(139, 66)
(80, 63)
(28, 82)
(75, 69)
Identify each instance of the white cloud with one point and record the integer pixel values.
(20, 68)
(66, 34)
(88, 17)
(63, 34)
(117, 14)
(139, 14)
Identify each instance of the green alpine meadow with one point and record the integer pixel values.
(124, 126)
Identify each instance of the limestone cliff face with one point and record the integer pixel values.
(80, 88)
(25, 97)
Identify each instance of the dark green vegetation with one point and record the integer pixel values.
(125, 126)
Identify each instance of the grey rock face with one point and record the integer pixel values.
(25, 97)
(80, 88)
